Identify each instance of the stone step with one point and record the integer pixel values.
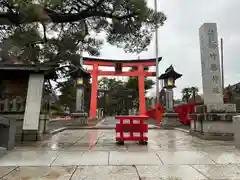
(2, 151)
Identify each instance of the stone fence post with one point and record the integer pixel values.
(236, 128)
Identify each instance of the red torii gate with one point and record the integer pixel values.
(118, 64)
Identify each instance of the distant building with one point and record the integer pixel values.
(232, 95)
(178, 102)
(196, 100)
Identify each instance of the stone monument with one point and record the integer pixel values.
(170, 118)
(33, 103)
(213, 120)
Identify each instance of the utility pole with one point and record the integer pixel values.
(156, 49)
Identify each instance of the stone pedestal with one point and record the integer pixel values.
(100, 113)
(79, 119)
(35, 135)
(3, 151)
(236, 130)
(29, 135)
(170, 120)
(213, 122)
(7, 133)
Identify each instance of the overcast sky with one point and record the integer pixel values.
(179, 40)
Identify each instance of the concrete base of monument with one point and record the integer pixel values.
(216, 108)
(213, 136)
(170, 121)
(213, 126)
(29, 135)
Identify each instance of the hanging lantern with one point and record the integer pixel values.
(80, 82)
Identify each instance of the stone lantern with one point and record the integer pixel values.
(169, 78)
(81, 75)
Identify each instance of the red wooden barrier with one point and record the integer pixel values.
(131, 128)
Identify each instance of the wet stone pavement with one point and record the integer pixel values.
(93, 155)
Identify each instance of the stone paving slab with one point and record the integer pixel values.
(5, 170)
(143, 172)
(168, 152)
(29, 158)
(90, 138)
(224, 157)
(165, 172)
(220, 172)
(141, 148)
(109, 147)
(133, 158)
(220, 148)
(77, 147)
(81, 158)
(66, 158)
(44, 146)
(106, 173)
(43, 173)
(184, 157)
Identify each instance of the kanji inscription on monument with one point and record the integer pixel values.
(211, 75)
(213, 67)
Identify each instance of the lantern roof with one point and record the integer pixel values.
(170, 72)
(80, 72)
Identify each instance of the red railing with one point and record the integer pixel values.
(126, 131)
(183, 111)
(152, 112)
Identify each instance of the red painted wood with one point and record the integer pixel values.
(144, 117)
(144, 138)
(140, 73)
(113, 73)
(122, 128)
(131, 128)
(112, 64)
(93, 105)
(142, 101)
